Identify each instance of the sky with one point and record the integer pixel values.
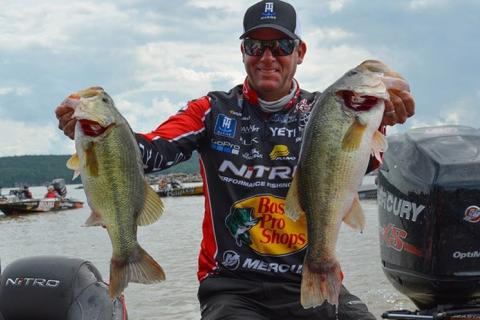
(154, 56)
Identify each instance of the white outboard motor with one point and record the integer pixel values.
(56, 288)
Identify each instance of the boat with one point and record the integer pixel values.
(367, 191)
(21, 202)
(15, 206)
(178, 189)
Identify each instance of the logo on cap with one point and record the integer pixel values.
(268, 13)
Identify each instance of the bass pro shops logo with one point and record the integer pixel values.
(260, 223)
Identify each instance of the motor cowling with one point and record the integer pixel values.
(60, 186)
(56, 288)
(429, 216)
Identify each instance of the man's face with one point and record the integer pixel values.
(271, 77)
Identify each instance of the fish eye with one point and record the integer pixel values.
(105, 100)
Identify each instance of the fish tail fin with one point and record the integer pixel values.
(320, 282)
(139, 267)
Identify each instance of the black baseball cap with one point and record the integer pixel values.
(273, 14)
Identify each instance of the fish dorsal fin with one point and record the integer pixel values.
(152, 208)
(353, 137)
(379, 144)
(355, 217)
(74, 164)
(293, 209)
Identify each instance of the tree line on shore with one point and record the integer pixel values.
(38, 170)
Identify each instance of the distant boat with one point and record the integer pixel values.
(11, 206)
(20, 201)
(368, 189)
(177, 189)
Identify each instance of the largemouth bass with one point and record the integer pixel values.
(108, 160)
(338, 140)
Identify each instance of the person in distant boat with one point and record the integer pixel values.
(51, 193)
(249, 138)
(26, 193)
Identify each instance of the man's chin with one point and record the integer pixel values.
(268, 86)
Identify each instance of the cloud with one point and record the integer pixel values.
(328, 34)
(54, 24)
(145, 118)
(325, 65)
(229, 6)
(335, 5)
(19, 138)
(18, 91)
(425, 4)
(462, 111)
(188, 68)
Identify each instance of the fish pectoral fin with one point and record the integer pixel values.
(152, 208)
(355, 217)
(293, 209)
(379, 144)
(74, 164)
(94, 220)
(91, 161)
(353, 137)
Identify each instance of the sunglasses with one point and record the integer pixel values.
(281, 47)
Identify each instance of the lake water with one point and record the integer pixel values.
(174, 242)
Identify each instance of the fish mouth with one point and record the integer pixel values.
(92, 128)
(357, 102)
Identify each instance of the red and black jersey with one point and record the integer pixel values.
(247, 158)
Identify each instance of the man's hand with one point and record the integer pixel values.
(400, 107)
(66, 122)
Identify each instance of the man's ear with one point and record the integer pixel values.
(301, 51)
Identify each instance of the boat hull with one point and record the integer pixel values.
(38, 205)
(183, 191)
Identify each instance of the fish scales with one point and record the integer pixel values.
(108, 160)
(341, 134)
(124, 189)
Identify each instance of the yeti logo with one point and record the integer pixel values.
(238, 222)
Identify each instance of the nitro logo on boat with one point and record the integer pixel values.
(32, 282)
(472, 214)
(397, 206)
(260, 223)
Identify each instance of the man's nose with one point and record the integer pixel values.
(267, 54)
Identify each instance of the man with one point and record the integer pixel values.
(51, 193)
(26, 193)
(249, 140)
